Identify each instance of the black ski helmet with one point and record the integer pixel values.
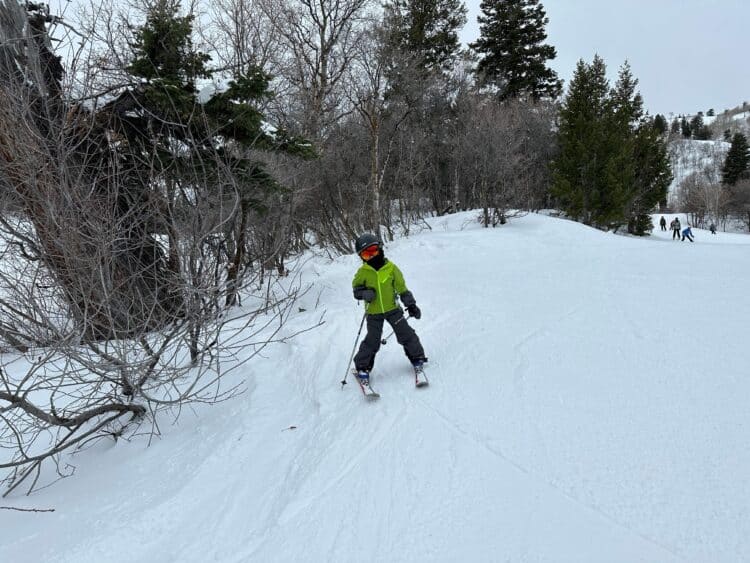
(365, 240)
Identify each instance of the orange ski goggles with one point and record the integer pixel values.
(370, 252)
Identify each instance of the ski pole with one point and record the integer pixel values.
(361, 324)
(385, 340)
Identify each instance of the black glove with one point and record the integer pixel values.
(414, 311)
(366, 293)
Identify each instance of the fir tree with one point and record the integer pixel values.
(653, 174)
(513, 55)
(675, 127)
(426, 29)
(699, 129)
(579, 172)
(660, 124)
(625, 112)
(737, 164)
(165, 57)
(163, 104)
(171, 138)
(613, 166)
(685, 128)
(625, 101)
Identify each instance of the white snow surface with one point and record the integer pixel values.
(588, 402)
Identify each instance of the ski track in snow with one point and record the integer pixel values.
(585, 404)
(484, 443)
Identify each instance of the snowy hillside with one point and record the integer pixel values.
(588, 403)
(705, 158)
(688, 156)
(737, 119)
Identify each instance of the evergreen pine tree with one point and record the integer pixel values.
(699, 129)
(685, 128)
(426, 29)
(653, 174)
(513, 55)
(418, 44)
(166, 61)
(625, 114)
(163, 104)
(171, 137)
(737, 164)
(660, 124)
(579, 171)
(625, 101)
(675, 127)
(613, 166)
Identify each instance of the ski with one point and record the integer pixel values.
(369, 393)
(420, 378)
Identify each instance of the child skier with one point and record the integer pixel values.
(377, 282)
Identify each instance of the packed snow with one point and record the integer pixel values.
(588, 402)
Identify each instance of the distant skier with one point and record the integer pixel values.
(675, 226)
(377, 282)
(712, 228)
(687, 234)
(663, 223)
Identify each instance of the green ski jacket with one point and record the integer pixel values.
(387, 282)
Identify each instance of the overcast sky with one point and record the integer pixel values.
(688, 55)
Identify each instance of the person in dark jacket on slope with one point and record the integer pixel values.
(378, 282)
(675, 226)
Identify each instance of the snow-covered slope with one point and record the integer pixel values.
(588, 402)
(688, 156)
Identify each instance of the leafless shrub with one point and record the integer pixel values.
(241, 35)
(119, 277)
(703, 199)
(503, 156)
(316, 48)
(739, 204)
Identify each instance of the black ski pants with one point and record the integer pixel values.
(405, 335)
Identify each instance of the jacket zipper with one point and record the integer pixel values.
(380, 293)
